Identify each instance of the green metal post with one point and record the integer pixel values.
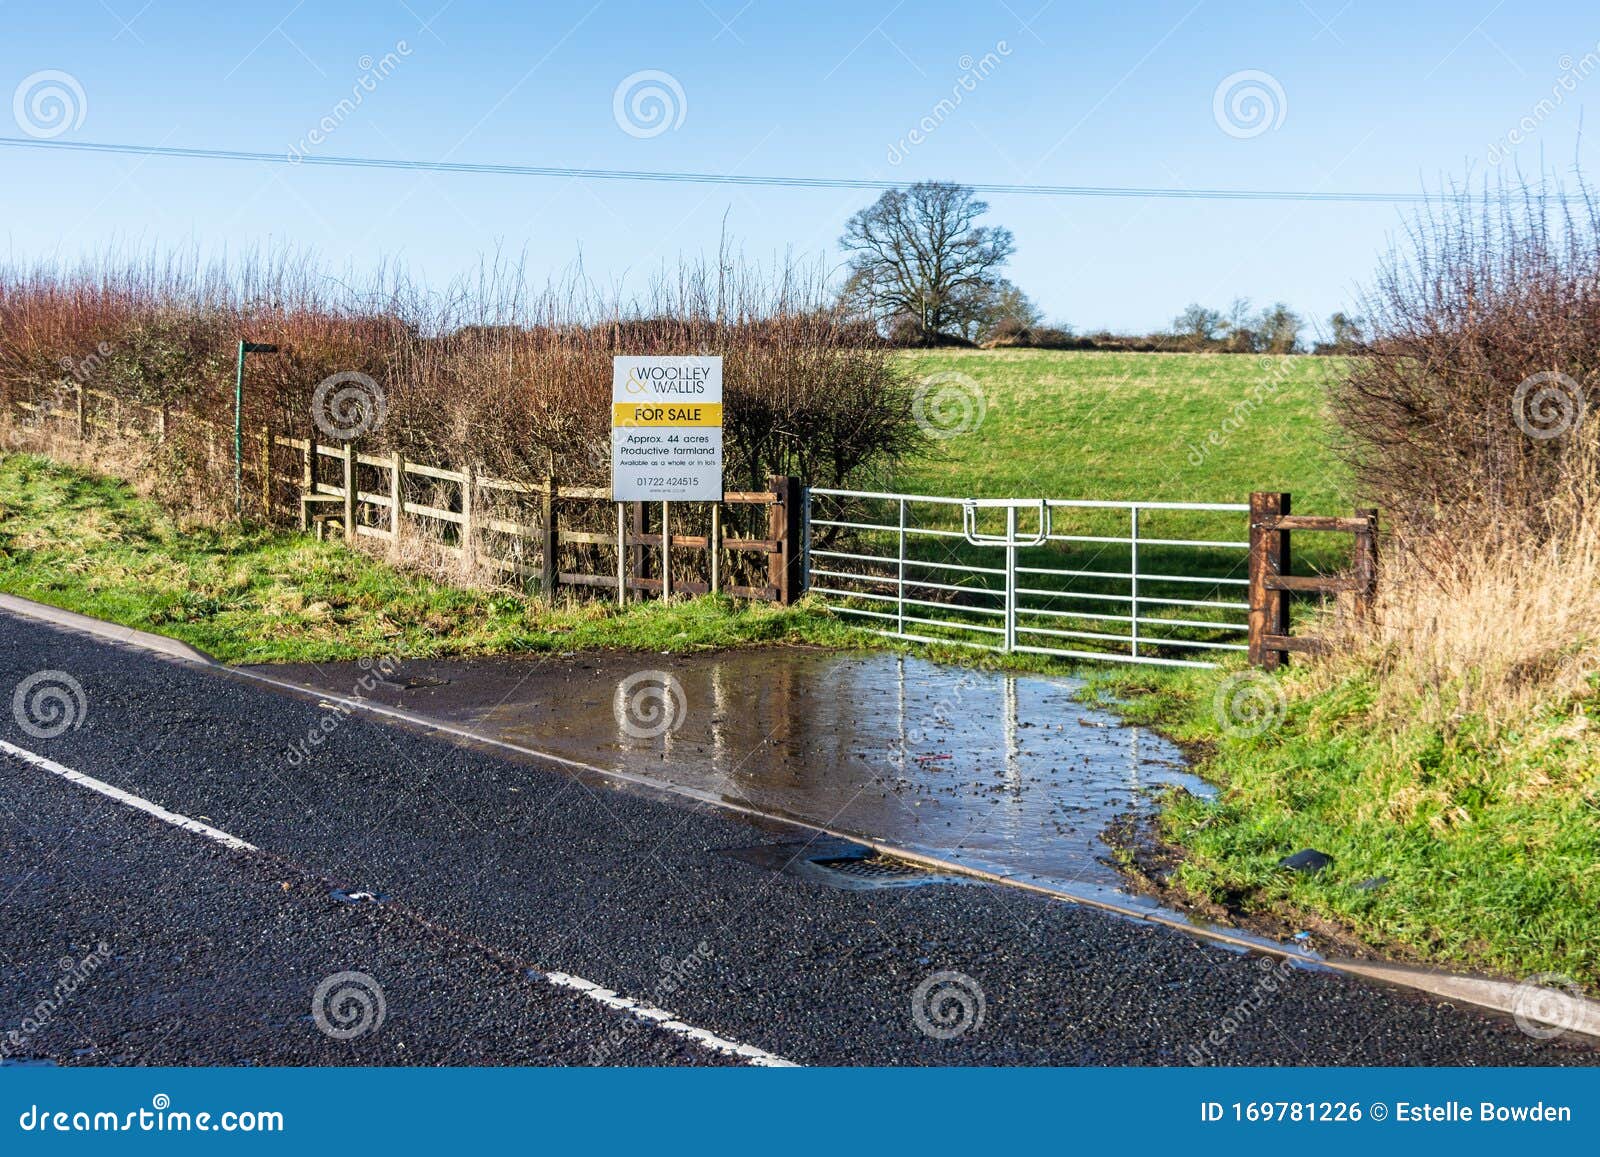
(245, 347)
(238, 436)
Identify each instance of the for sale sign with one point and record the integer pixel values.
(666, 429)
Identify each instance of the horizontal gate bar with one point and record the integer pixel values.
(910, 602)
(890, 560)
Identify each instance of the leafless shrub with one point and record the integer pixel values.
(490, 372)
(1469, 415)
(1469, 411)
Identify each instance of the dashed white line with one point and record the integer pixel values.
(215, 835)
(665, 1021)
(657, 1017)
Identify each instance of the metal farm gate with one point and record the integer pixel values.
(1172, 583)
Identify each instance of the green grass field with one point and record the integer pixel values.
(1083, 424)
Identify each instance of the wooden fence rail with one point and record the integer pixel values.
(1272, 585)
(323, 505)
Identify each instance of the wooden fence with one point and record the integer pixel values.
(461, 516)
(1272, 584)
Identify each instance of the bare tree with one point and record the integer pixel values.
(1198, 322)
(919, 254)
(1278, 329)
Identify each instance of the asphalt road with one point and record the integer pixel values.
(497, 875)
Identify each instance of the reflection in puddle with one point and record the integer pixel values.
(1007, 773)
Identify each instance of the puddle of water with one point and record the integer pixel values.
(1007, 773)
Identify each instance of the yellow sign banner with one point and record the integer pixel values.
(666, 414)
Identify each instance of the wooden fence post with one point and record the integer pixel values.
(308, 477)
(266, 473)
(1269, 558)
(469, 545)
(397, 498)
(640, 565)
(82, 416)
(550, 551)
(1366, 562)
(714, 547)
(349, 492)
(783, 526)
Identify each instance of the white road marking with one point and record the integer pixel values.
(664, 1020)
(657, 1017)
(215, 835)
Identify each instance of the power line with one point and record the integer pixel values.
(690, 178)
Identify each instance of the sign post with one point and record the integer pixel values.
(666, 429)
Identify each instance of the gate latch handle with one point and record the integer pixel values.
(969, 522)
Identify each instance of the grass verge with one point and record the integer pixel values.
(1472, 844)
(247, 594)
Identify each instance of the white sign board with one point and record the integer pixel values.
(666, 429)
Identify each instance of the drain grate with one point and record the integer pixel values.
(839, 864)
(875, 867)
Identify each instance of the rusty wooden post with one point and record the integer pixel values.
(1366, 562)
(1269, 559)
(549, 553)
(397, 498)
(783, 526)
(349, 492)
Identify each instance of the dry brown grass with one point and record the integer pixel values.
(1490, 644)
(1488, 613)
(1502, 631)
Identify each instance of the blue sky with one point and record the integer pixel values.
(1364, 96)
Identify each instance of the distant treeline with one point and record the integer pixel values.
(1198, 329)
